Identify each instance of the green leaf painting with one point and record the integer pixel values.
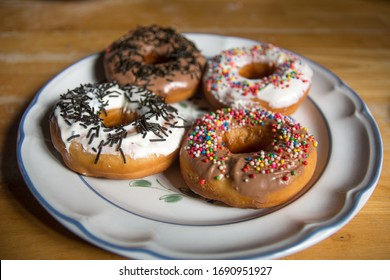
(140, 183)
(183, 104)
(170, 198)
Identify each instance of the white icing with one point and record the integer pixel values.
(223, 70)
(135, 145)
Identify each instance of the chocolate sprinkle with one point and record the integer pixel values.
(156, 140)
(73, 136)
(123, 155)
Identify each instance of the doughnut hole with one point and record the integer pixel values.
(155, 58)
(117, 117)
(248, 139)
(257, 70)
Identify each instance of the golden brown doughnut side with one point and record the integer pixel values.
(108, 166)
(256, 102)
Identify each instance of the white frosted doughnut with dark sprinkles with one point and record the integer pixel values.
(147, 126)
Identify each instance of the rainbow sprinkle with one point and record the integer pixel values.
(289, 146)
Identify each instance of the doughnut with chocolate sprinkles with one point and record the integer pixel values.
(112, 131)
(157, 58)
(248, 158)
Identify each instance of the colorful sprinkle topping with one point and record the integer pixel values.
(223, 63)
(286, 79)
(288, 148)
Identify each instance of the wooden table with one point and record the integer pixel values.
(40, 38)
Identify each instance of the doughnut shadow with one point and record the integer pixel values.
(98, 69)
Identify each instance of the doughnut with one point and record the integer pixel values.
(247, 158)
(157, 58)
(262, 75)
(112, 131)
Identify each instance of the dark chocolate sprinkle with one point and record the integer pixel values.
(73, 136)
(123, 155)
(98, 155)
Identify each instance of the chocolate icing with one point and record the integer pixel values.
(154, 57)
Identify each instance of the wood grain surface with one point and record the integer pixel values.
(40, 38)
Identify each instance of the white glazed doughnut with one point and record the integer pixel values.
(262, 75)
(107, 130)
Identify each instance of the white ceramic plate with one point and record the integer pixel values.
(155, 217)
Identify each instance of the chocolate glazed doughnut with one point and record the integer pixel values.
(157, 58)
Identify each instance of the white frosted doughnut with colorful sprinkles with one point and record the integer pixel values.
(263, 75)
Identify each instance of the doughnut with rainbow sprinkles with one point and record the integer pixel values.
(248, 158)
(262, 75)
